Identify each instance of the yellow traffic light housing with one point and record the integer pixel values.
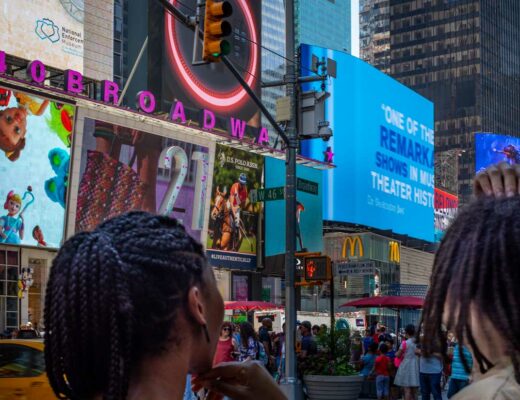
(215, 28)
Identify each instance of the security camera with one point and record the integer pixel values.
(324, 131)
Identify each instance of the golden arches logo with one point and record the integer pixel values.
(350, 245)
(394, 252)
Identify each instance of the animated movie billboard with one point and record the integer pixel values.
(233, 227)
(209, 86)
(35, 139)
(491, 148)
(309, 209)
(446, 206)
(125, 169)
(47, 30)
(382, 148)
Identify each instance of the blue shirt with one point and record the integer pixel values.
(309, 345)
(368, 364)
(430, 365)
(367, 341)
(457, 367)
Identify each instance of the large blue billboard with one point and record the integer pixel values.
(382, 145)
(491, 148)
(309, 226)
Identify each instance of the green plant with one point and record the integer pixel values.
(333, 357)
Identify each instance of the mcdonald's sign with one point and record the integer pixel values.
(394, 252)
(350, 245)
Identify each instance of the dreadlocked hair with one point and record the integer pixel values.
(476, 273)
(112, 297)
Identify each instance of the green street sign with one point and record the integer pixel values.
(269, 194)
(303, 185)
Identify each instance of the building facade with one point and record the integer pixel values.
(374, 33)
(324, 23)
(465, 57)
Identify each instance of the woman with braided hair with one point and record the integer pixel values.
(132, 308)
(474, 292)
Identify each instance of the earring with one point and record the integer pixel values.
(206, 333)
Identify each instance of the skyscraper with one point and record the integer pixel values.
(464, 56)
(374, 33)
(324, 23)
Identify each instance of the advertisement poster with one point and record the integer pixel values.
(382, 148)
(491, 149)
(35, 139)
(309, 218)
(47, 30)
(233, 225)
(446, 206)
(125, 169)
(209, 86)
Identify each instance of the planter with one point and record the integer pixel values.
(321, 387)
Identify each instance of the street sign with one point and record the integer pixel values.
(303, 185)
(268, 194)
(356, 268)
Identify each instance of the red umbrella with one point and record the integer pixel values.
(250, 305)
(387, 302)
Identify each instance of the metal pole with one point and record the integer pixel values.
(291, 385)
(332, 317)
(132, 72)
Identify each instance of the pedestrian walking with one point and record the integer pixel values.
(248, 343)
(430, 375)
(367, 341)
(309, 346)
(367, 365)
(264, 337)
(459, 376)
(381, 370)
(475, 281)
(407, 375)
(120, 302)
(226, 346)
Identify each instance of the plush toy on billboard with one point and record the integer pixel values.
(61, 121)
(11, 225)
(56, 187)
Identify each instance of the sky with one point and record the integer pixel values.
(355, 27)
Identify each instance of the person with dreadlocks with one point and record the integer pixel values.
(474, 285)
(131, 309)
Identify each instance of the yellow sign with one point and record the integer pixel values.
(349, 247)
(394, 252)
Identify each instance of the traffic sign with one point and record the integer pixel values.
(317, 268)
(356, 268)
(268, 194)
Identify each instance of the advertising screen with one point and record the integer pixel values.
(47, 30)
(209, 86)
(382, 148)
(491, 148)
(446, 206)
(35, 138)
(125, 169)
(308, 209)
(233, 226)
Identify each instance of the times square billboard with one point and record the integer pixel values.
(492, 148)
(51, 31)
(383, 148)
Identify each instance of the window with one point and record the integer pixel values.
(20, 361)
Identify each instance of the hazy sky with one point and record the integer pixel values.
(355, 27)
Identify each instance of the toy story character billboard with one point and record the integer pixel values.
(233, 226)
(124, 169)
(35, 140)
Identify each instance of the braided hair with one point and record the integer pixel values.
(476, 269)
(112, 297)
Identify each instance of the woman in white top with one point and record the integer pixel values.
(408, 372)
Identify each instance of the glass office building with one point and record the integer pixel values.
(464, 56)
(374, 33)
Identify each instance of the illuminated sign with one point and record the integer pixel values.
(317, 268)
(350, 245)
(394, 252)
(145, 101)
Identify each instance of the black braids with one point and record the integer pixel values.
(475, 268)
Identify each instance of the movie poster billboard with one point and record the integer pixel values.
(491, 148)
(446, 206)
(47, 30)
(125, 169)
(35, 140)
(233, 227)
(211, 86)
(309, 209)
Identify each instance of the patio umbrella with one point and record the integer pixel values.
(250, 305)
(393, 302)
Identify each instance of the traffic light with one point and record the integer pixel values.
(215, 28)
(317, 268)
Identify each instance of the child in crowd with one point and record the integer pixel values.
(382, 369)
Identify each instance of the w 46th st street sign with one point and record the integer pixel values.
(270, 194)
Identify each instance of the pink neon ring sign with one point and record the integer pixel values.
(220, 101)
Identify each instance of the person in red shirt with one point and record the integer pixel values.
(381, 369)
(226, 345)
